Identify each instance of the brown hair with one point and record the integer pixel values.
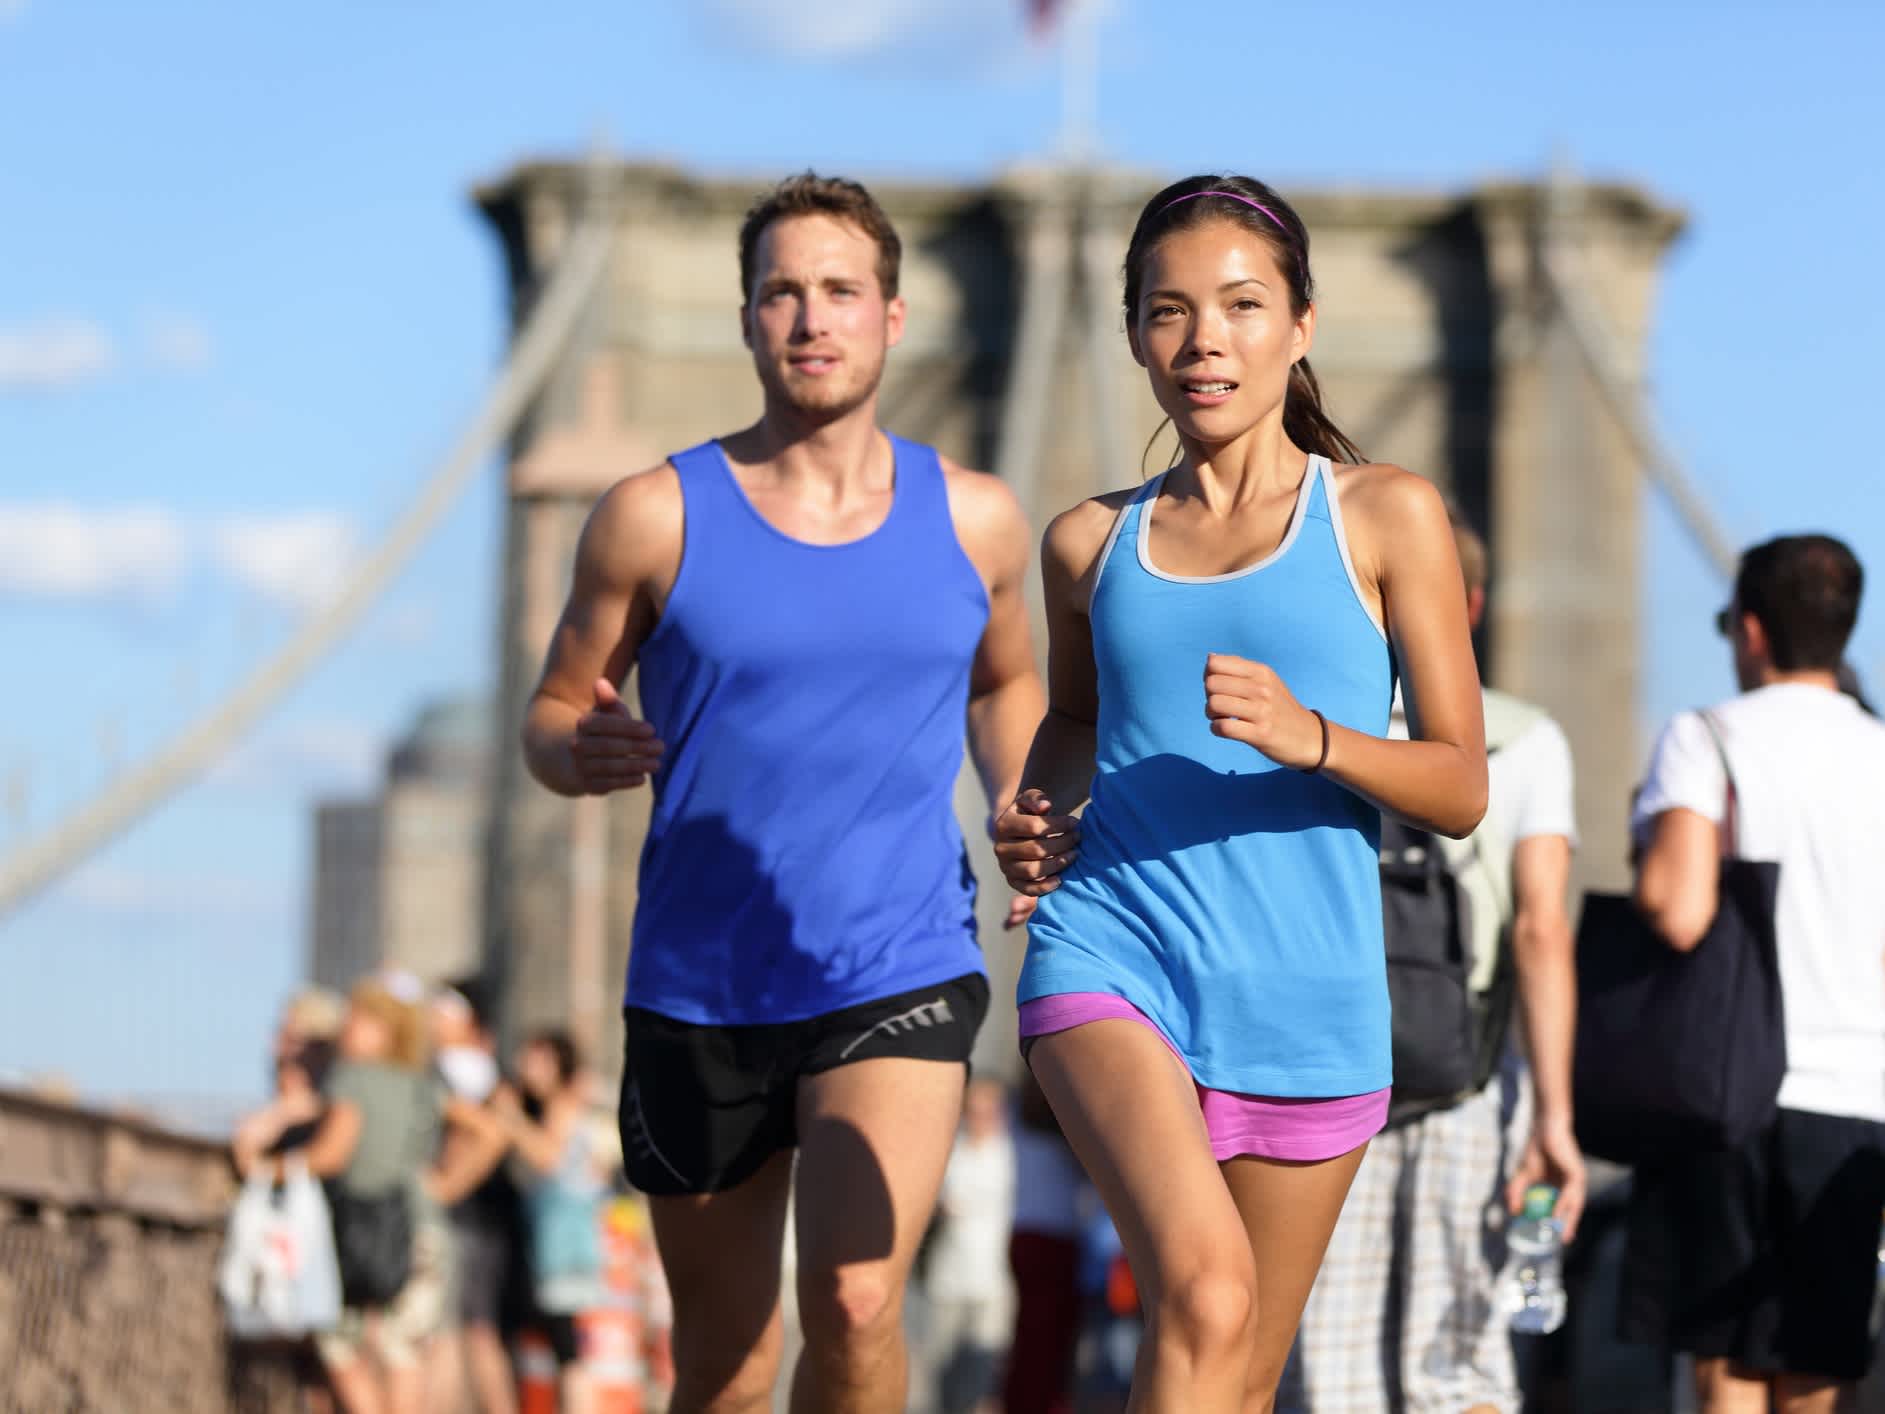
(1246, 202)
(563, 1050)
(1805, 590)
(405, 1024)
(809, 194)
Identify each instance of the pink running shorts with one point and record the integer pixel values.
(1270, 1127)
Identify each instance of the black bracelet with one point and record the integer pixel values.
(1323, 759)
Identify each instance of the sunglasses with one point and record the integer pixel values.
(1725, 621)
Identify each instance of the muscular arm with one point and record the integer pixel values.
(1402, 543)
(1677, 877)
(626, 562)
(1005, 694)
(1437, 778)
(1038, 837)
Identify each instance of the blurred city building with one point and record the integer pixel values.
(1441, 346)
(398, 878)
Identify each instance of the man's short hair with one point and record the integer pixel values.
(809, 194)
(1804, 590)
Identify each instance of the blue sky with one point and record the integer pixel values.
(245, 302)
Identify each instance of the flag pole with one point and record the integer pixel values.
(1079, 82)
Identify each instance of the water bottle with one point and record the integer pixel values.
(1531, 1293)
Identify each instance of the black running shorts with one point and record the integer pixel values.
(703, 1107)
(1767, 1253)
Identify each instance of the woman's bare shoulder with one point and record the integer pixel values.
(1382, 493)
(1077, 535)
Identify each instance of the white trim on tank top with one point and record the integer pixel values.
(1298, 513)
(1318, 464)
(1341, 544)
(1112, 537)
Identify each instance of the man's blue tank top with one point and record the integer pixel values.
(803, 854)
(1234, 901)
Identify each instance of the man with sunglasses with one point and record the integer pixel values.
(1761, 1261)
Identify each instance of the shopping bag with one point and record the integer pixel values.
(279, 1278)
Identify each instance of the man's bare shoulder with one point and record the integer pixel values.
(980, 500)
(637, 525)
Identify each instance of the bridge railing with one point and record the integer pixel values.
(110, 1230)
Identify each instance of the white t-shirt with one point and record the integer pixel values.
(1530, 791)
(1529, 787)
(970, 1259)
(1809, 768)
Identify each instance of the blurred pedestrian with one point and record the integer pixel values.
(1403, 1316)
(1204, 998)
(570, 1179)
(311, 1014)
(302, 1053)
(377, 1144)
(483, 1206)
(1761, 1261)
(1044, 1256)
(292, 1114)
(966, 1274)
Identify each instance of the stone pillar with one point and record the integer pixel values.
(1567, 495)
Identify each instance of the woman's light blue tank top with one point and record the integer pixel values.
(1234, 901)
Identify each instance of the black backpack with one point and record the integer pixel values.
(1448, 1038)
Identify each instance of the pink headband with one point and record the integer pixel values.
(1192, 196)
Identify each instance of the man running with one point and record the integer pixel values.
(816, 607)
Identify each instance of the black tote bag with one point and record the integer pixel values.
(1679, 1052)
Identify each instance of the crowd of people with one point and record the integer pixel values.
(480, 1226)
(1301, 996)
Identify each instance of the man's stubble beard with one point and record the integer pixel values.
(835, 404)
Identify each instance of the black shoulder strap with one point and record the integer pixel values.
(1730, 810)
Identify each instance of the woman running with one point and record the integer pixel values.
(1204, 999)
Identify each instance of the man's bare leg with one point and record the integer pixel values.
(1808, 1394)
(874, 1138)
(721, 1253)
(1720, 1388)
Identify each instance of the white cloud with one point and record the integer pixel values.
(11, 10)
(825, 29)
(301, 560)
(59, 550)
(931, 31)
(54, 353)
(177, 342)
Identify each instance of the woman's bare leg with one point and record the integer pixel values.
(1130, 1111)
(1289, 1211)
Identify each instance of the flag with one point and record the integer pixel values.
(1043, 13)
